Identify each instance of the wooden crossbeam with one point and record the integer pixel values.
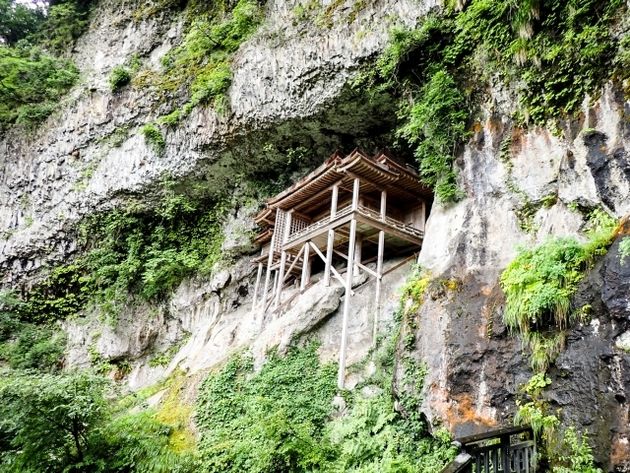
(332, 268)
(344, 256)
(297, 257)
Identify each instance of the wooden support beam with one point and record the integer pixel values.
(341, 376)
(356, 186)
(257, 285)
(332, 268)
(360, 265)
(283, 258)
(383, 205)
(388, 228)
(377, 296)
(331, 235)
(292, 265)
(306, 267)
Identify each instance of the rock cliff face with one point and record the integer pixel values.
(290, 84)
(475, 366)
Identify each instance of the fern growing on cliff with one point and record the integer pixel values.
(436, 125)
(540, 282)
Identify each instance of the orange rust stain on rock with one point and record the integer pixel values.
(494, 126)
(486, 290)
(462, 411)
(620, 452)
(624, 227)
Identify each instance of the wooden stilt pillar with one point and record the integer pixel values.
(331, 234)
(358, 246)
(275, 283)
(355, 193)
(341, 377)
(379, 279)
(278, 293)
(379, 268)
(306, 266)
(257, 285)
(283, 259)
(383, 205)
(265, 293)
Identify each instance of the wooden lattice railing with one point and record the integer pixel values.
(496, 452)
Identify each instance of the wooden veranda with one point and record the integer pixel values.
(351, 210)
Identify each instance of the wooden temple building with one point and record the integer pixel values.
(352, 210)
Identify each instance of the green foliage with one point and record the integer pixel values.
(201, 64)
(32, 84)
(267, 421)
(554, 53)
(567, 451)
(540, 282)
(375, 438)
(65, 22)
(18, 21)
(138, 251)
(33, 75)
(48, 418)
(31, 346)
(149, 251)
(624, 249)
(533, 412)
(26, 345)
(153, 137)
(279, 420)
(436, 125)
(165, 357)
(68, 423)
(58, 296)
(119, 77)
(575, 454)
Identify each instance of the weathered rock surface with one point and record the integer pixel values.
(289, 84)
(285, 77)
(474, 365)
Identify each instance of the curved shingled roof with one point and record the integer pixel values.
(380, 172)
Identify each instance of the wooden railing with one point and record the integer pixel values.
(403, 227)
(320, 224)
(366, 212)
(495, 452)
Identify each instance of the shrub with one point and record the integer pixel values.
(33, 83)
(540, 282)
(575, 454)
(436, 125)
(68, 422)
(202, 63)
(280, 420)
(153, 137)
(270, 421)
(17, 21)
(31, 346)
(119, 77)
